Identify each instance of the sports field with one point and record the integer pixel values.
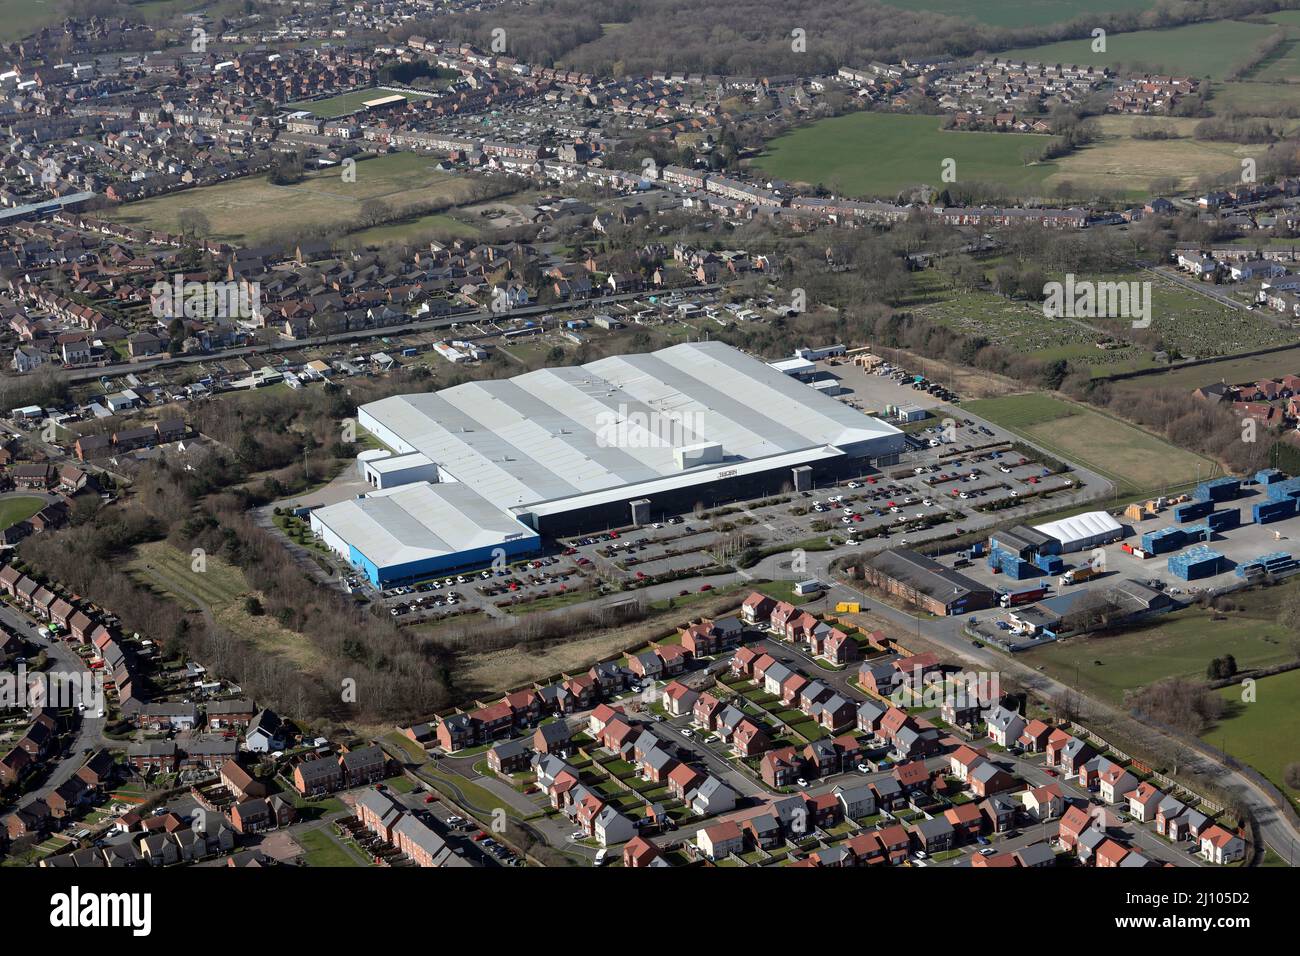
(1135, 460)
(1021, 13)
(346, 103)
(251, 210)
(880, 154)
(1210, 49)
(1181, 644)
(1263, 732)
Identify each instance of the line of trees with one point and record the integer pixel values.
(755, 37)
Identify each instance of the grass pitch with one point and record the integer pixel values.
(251, 210)
(880, 154)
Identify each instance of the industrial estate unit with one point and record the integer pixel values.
(495, 464)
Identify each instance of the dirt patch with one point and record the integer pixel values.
(496, 672)
(279, 845)
(966, 382)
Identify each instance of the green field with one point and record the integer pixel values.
(1017, 325)
(1256, 99)
(346, 103)
(408, 230)
(219, 589)
(20, 18)
(1284, 65)
(1186, 320)
(1181, 644)
(1272, 365)
(1211, 49)
(18, 508)
(1135, 460)
(251, 210)
(1120, 163)
(1263, 732)
(1198, 325)
(880, 154)
(1021, 13)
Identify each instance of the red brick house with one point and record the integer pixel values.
(757, 609)
(780, 768)
(639, 852)
(750, 739)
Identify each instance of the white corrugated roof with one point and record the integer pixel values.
(1080, 527)
(419, 521)
(546, 435)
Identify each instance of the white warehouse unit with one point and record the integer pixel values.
(420, 529)
(570, 447)
(392, 471)
(489, 466)
(1081, 532)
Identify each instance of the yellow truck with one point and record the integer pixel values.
(1077, 575)
(848, 607)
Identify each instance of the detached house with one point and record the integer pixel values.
(1143, 802)
(720, 840)
(1044, 803)
(678, 699)
(1221, 847)
(1004, 726)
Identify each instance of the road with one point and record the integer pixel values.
(90, 729)
(442, 322)
(1275, 830)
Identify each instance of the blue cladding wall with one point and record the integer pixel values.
(381, 576)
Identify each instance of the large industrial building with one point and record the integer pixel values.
(624, 440)
(421, 529)
(926, 583)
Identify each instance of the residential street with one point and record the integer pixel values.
(89, 732)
